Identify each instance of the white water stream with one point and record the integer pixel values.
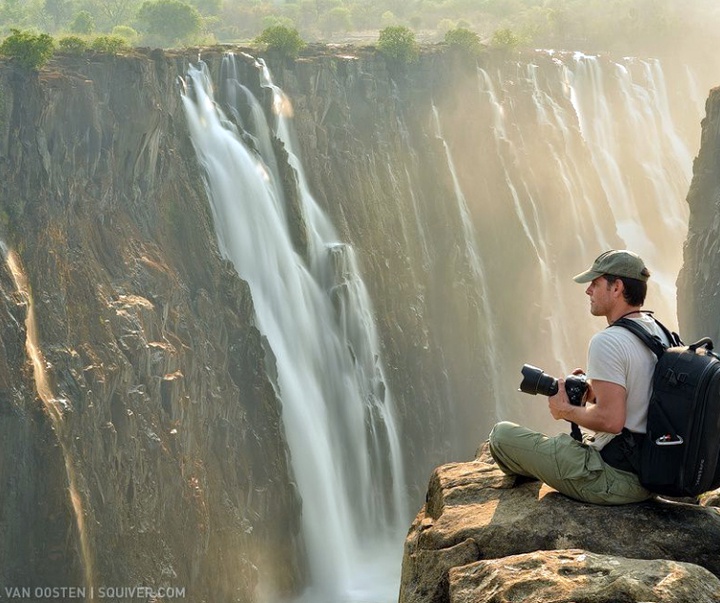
(661, 159)
(337, 407)
(55, 408)
(478, 269)
(562, 152)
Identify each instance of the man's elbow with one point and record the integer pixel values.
(614, 425)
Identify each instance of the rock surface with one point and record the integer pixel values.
(574, 575)
(171, 421)
(475, 513)
(699, 279)
(170, 441)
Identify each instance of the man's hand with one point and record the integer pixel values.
(559, 404)
(606, 413)
(589, 396)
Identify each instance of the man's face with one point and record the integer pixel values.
(601, 296)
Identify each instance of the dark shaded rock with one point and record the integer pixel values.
(170, 426)
(699, 279)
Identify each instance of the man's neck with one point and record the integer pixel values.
(624, 312)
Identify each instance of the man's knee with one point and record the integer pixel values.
(499, 436)
(501, 433)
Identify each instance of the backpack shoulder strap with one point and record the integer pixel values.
(652, 341)
(672, 336)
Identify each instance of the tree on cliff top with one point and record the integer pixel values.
(30, 50)
(463, 40)
(168, 22)
(397, 43)
(281, 39)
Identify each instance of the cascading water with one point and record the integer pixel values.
(337, 407)
(549, 179)
(532, 226)
(589, 157)
(640, 127)
(55, 408)
(476, 264)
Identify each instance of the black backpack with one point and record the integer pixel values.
(678, 456)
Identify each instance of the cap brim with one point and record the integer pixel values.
(587, 276)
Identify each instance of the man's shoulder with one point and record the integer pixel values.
(647, 322)
(615, 333)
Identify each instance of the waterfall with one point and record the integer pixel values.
(530, 218)
(574, 155)
(337, 407)
(643, 165)
(588, 156)
(476, 264)
(55, 408)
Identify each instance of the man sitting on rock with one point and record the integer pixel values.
(620, 369)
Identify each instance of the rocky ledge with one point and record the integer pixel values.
(486, 537)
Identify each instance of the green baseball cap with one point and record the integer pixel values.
(616, 262)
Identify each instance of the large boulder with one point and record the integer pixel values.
(474, 512)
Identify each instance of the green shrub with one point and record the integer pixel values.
(274, 20)
(281, 39)
(73, 44)
(30, 50)
(83, 23)
(463, 40)
(398, 44)
(505, 39)
(169, 21)
(126, 33)
(109, 44)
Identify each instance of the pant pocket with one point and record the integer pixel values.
(575, 460)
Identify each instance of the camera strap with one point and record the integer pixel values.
(575, 432)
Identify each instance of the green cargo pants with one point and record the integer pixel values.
(570, 467)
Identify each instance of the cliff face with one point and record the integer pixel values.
(157, 455)
(699, 280)
(168, 446)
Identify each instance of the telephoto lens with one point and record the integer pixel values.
(536, 381)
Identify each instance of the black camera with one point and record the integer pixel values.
(535, 381)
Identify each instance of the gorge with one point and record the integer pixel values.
(271, 297)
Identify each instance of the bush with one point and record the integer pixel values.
(169, 21)
(31, 51)
(126, 33)
(109, 44)
(505, 39)
(73, 44)
(398, 43)
(281, 39)
(463, 40)
(83, 23)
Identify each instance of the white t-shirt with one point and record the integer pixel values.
(618, 356)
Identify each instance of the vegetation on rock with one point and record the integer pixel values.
(73, 44)
(505, 39)
(30, 50)
(398, 43)
(109, 44)
(281, 39)
(464, 40)
(632, 26)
